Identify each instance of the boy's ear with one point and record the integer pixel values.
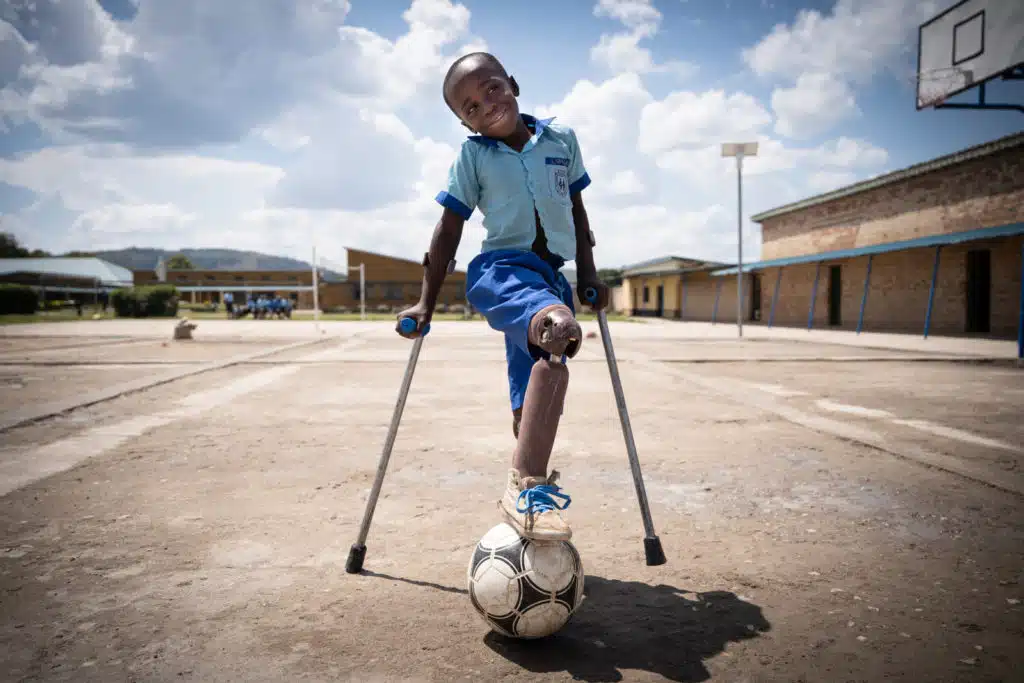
(515, 86)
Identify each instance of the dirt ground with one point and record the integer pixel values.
(198, 530)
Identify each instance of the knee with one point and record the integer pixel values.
(556, 330)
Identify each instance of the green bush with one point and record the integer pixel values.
(18, 299)
(156, 301)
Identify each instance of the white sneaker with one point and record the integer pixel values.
(530, 506)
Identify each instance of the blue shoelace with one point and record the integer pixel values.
(541, 499)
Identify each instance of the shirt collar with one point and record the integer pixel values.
(538, 125)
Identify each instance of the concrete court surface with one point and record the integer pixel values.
(831, 515)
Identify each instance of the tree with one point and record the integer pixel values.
(179, 262)
(611, 277)
(10, 248)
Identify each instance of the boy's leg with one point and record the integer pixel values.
(534, 309)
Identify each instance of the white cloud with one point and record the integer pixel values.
(621, 52)
(823, 55)
(636, 14)
(855, 40)
(272, 128)
(625, 182)
(825, 181)
(814, 105)
(686, 118)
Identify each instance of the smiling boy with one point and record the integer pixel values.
(525, 175)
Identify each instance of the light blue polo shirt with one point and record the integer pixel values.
(507, 186)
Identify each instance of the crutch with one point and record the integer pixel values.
(652, 544)
(357, 553)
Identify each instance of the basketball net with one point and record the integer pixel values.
(933, 87)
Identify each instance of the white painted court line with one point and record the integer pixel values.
(834, 407)
(739, 391)
(779, 390)
(22, 466)
(957, 434)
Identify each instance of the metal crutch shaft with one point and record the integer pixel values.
(357, 553)
(653, 551)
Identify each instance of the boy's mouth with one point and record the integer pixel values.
(498, 116)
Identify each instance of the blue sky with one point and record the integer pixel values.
(287, 123)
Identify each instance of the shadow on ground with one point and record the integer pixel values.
(630, 625)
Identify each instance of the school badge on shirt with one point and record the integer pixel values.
(558, 175)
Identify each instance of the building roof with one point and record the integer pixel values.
(86, 267)
(964, 155)
(1009, 230)
(669, 265)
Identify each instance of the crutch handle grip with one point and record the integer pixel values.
(408, 325)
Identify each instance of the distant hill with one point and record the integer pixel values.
(136, 258)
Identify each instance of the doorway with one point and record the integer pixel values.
(661, 300)
(835, 295)
(755, 297)
(979, 290)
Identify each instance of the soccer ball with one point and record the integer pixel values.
(524, 588)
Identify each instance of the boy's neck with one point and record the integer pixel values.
(518, 139)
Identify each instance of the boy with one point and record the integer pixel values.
(525, 175)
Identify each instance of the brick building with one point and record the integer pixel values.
(390, 282)
(675, 287)
(936, 245)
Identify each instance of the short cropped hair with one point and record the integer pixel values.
(455, 65)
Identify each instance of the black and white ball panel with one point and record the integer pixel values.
(522, 588)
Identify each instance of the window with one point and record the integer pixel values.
(647, 294)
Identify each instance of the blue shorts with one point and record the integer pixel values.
(508, 287)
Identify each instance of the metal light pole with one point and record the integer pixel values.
(316, 295)
(739, 150)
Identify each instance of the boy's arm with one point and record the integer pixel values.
(443, 245)
(586, 271)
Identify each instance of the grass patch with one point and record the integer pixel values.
(60, 316)
(69, 315)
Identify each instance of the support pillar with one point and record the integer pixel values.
(931, 292)
(864, 297)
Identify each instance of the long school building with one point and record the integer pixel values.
(935, 248)
(389, 282)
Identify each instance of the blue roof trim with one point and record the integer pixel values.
(1009, 230)
(538, 124)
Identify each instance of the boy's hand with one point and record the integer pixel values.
(421, 313)
(603, 293)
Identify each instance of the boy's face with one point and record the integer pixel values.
(485, 99)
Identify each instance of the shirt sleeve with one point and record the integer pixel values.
(463, 191)
(578, 176)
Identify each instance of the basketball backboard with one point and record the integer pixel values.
(967, 45)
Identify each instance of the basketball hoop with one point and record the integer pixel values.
(933, 87)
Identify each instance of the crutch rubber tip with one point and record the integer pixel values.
(356, 554)
(652, 549)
